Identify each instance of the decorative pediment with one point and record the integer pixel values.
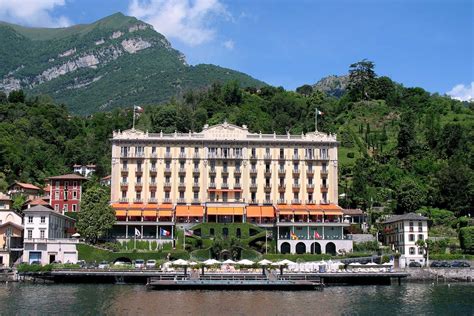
(130, 134)
(225, 131)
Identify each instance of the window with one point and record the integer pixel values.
(74, 184)
(310, 166)
(56, 195)
(196, 195)
(153, 179)
(182, 150)
(237, 196)
(124, 151)
(196, 179)
(196, 150)
(295, 166)
(420, 236)
(74, 207)
(282, 196)
(282, 153)
(181, 195)
(56, 207)
(65, 195)
(412, 250)
(43, 219)
(139, 179)
(237, 180)
(420, 251)
(295, 195)
(310, 197)
(124, 179)
(153, 164)
(168, 149)
(153, 150)
(181, 179)
(152, 194)
(295, 152)
(224, 196)
(267, 197)
(196, 165)
(254, 152)
(224, 180)
(30, 234)
(124, 194)
(57, 184)
(254, 180)
(213, 179)
(420, 227)
(66, 184)
(411, 237)
(181, 164)
(42, 234)
(167, 195)
(65, 208)
(30, 219)
(168, 165)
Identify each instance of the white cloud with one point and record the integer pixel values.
(33, 12)
(462, 92)
(229, 44)
(189, 21)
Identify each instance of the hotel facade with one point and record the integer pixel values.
(286, 183)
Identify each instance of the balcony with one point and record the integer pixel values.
(295, 201)
(267, 188)
(296, 187)
(224, 186)
(181, 186)
(310, 157)
(124, 170)
(324, 157)
(295, 157)
(296, 173)
(196, 155)
(237, 185)
(196, 186)
(139, 154)
(237, 172)
(153, 170)
(267, 156)
(167, 186)
(167, 171)
(254, 201)
(182, 171)
(152, 200)
(310, 173)
(152, 186)
(225, 172)
(167, 155)
(281, 187)
(137, 200)
(324, 202)
(212, 172)
(253, 171)
(281, 172)
(166, 200)
(154, 155)
(310, 187)
(196, 201)
(139, 170)
(281, 157)
(324, 173)
(196, 172)
(124, 154)
(212, 185)
(324, 188)
(182, 155)
(253, 156)
(253, 187)
(310, 202)
(281, 201)
(181, 201)
(123, 200)
(268, 173)
(124, 184)
(267, 202)
(138, 186)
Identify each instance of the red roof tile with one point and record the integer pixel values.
(71, 176)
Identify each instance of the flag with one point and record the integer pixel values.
(164, 232)
(293, 236)
(188, 232)
(138, 109)
(316, 235)
(137, 233)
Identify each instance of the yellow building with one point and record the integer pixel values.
(215, 175)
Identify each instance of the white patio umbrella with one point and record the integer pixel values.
(354, 264)
(264, 262)
(76, 235)
(285, 262)
(388, 264)
(371, 264)
(229, 261)
(180, 262)
(192, 263)
(245, 262)
(210, 262)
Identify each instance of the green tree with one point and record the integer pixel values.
(361, 80)
(410, 196)
(305, 90)
(96, 217)
(16, 96)
(466, 239)
(406, 140)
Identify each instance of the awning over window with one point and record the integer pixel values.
(222, 210)
(332, 212)
(149, 213)
(182, 211)
(267, 211)
(301, 212)
(165, 213)
(134, 213)
(238, 210)
(138, 206)
(120, 213)
(314, 210)
(253, 211)
(196, 211)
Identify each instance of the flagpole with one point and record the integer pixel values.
(133, 124)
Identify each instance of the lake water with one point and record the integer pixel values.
(85, 299)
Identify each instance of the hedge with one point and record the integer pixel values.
(91, 254)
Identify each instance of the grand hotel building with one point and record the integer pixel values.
(286, 183)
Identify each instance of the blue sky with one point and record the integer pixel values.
(290, 43)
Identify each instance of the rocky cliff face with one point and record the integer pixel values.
(113, 62)
(332, 85)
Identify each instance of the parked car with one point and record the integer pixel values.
(445, 264)
(139, 264)
(103, 265)
(414, 264)
(435, 264)
(150, 264)
(460, 264)
(81, 263)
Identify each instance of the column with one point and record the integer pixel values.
(126, 231)
(324, 237)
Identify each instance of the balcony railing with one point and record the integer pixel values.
(268, 173)
(182, 171)
(253, 171)
(324, 202)
(324, 173)
(237, 172)
(51, 240)
(152, 200)
(253, 156)
(153, 184)
(196, 171)
(224, 185)
(267, 156)
(196, 201)
(168, 170)
(281, 172)
(139, 170)
(124, 184)
(281, 157)
(324, 188)
(124, 154)
(267, 188)
(167, 185)
(237, 185)
(181, 201)
(281, 201)
(182, 155)
(282, 187)
(139, 154)
(310, 173)
(124, 170)
(296, 201)
(310, 202)
(253, 201)
(153, 170)
(212, 171)
(123, 200)
(154, 155)
(212, 185)
(166, 200)
(225, 172)
(137, 200)
(196, 156)
(296, 172)
(167, 155)
(296, 157)
(268, 202)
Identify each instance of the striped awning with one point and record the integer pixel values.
(254, 211)
(267, 211)
(120, 213)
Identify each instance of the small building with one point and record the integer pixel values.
(5, 202)
(106, 180)
(47, 236)
(66, 192)
(84, 170)
(11, 236)
(356, 217)
(29, 190)
(401, 233)
(38, 201)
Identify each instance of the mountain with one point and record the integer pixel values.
(332, 85)
(114, 62)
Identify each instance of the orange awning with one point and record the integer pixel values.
(285, 212)
(182, 211)
(331, 207)
(225, 211)
(165, 213)
(119, 205)
(120, 213)
(149, 213)
(212, 211)
(332, 212)
(196, 211)
(150, 207)
(298, 207)
(134, 213)
(267, 211)
(253, 211)
(301, 212)
(167, 206)
(238, 211)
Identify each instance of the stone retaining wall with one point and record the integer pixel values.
(441, 274)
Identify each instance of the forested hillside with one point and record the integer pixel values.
(401, 148)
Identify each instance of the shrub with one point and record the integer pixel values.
(350, 155)
(466, 238)
(154, 245)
